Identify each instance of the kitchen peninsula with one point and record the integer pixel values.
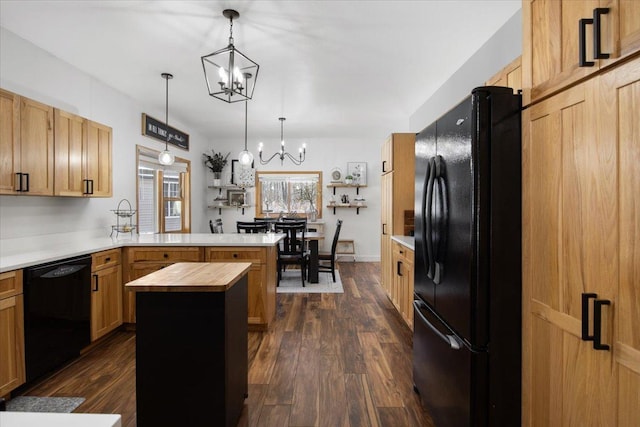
(139, 255)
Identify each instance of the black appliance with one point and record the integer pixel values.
(467, 321)
(57, 313)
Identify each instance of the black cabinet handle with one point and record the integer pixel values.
(597, 324)
(398, 269)
(597, 33)
(86, 186)
(95, 283)
(235, 255)
(166, 255)
(107, 259)
(383, 164)
(18, 182)
(91, 186)
(383, 229)
(582, 43)
(585, 316)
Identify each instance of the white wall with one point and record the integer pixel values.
(498, 51)
(30, 71)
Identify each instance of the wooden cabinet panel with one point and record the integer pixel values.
(9, 140)
(621, 28)
(107, 258)
(509, 76)
(620, 116)
(36, 146)
(69, 154)
(98, 158)
(262, 279)
(12, 365)
(168, 254)
(106, 301)
(401, 292)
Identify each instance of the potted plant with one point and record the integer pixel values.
(216, 162)
(348, 179)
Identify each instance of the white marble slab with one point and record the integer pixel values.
(42, 419)
(29, 251)
(407, 241)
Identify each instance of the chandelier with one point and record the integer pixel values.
(302, 151)
(226, 70)
(165, 157)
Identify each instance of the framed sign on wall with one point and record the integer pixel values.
(155, 129)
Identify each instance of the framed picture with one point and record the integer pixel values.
(236, 197)
(358, 170)
(241, 176)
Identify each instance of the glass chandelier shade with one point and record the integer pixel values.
(165, 157)
(245, 157)
(282, 154)
(225, 70)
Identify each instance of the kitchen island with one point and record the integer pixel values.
(191, 344)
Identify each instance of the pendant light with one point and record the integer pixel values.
(245, 157)
(224, 69)
(165, 157)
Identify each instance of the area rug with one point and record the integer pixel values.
(44, 404)
(290, 283)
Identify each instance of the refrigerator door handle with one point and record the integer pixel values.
(438, 250)
(453, 341)
(428, 218)
(423, 211)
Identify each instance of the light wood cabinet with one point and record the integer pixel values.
(26, 147)
(82, 157)
(402, 285)
(509, 76)
(262, 279)
(141, 260)
(397, 193)
(106, 292)
(581, 218)
(12, 365)
(553, 40)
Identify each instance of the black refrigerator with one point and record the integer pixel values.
(467, 302)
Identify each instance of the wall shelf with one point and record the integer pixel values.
(335, 185)
(220, 207)
(347, 206)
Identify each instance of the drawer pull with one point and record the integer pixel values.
(107, 259)
(166, 255)
(235, 255)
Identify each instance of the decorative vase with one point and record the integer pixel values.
(348, 180)
(217, 179)
(313, 214)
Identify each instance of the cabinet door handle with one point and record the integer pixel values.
(398, 269)
(585, 316)
(166, 255)
(27, 186)
(597, 324)
(91, 186)
(384, 162)
(95, 283)
(107, 259)
(235, 255)
(383, 229)
(18, 181)
(597, 32)
(582, 43)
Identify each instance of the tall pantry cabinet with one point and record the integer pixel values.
(581, 221)
(397, 182)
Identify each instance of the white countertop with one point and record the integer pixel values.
(407, 241)
(29, 251)
(43, 419)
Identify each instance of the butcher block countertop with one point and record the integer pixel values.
(28, 251)
(192, 277)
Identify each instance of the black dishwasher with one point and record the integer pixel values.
(57, 313)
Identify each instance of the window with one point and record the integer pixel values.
(163, 194)
(288, 193)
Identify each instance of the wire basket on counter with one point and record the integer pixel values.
(123, 218)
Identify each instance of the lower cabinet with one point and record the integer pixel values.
(12, 368)
(106, 293)
(140, 261)
(401, 292)
(262, 279)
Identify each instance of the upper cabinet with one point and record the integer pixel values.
(509, 76)
(46, 151)
(26, 146)
(566, 41)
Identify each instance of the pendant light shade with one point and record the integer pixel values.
(245, 157)
(165, 157)
(225, 69)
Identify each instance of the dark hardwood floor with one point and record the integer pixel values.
(328, 360)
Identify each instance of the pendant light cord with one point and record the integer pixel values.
(245, 126)
(166, 116)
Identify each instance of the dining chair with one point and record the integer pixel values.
(291, 251)
(251, 227)
(330, 256)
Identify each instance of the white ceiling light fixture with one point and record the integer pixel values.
(302, 151)
(245, 157)
(165, 157)
(225, 69)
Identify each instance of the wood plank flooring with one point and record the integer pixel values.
(328, 360)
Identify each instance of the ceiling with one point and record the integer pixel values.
(334, 69)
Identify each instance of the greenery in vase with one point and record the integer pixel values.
(307, 193)
(215, 161)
